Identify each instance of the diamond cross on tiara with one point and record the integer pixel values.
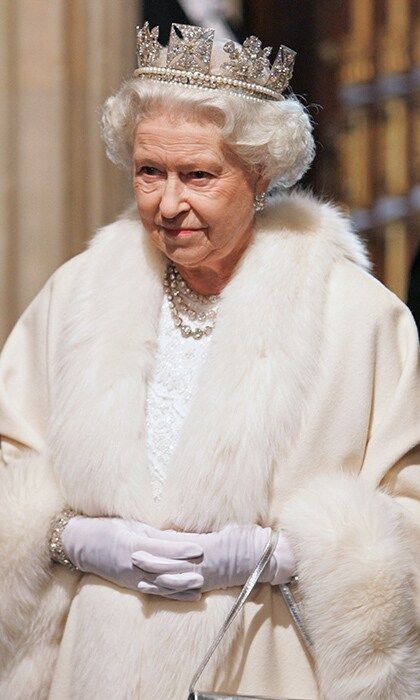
(190, 48)
(148, 47)
(282, 69)
(249, 61)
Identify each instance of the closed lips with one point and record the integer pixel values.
(179, 231)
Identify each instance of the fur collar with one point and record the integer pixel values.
(264, 355)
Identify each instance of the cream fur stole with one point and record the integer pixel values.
(263, 357)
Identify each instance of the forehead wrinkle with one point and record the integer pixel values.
(175, 138)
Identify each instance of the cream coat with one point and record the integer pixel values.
(307, 419)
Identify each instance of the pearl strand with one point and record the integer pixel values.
(178, 293)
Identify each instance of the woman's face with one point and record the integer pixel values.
(194, 196)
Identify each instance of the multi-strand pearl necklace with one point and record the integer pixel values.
(185, 304)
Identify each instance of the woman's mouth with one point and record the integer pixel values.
(179, 232)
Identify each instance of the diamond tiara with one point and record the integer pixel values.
(189, 59)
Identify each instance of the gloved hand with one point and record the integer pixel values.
(103, 546)
(229, 556)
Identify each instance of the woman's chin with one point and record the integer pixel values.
(183, 251)
(187, 256)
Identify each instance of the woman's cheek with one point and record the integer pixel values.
(147, 201)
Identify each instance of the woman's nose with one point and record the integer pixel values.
(172, 202)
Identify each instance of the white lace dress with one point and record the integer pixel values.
(173, 384)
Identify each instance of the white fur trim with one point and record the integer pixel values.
(33, 602)
(99, 380)
(355, 567)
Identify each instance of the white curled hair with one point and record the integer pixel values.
(274, 138)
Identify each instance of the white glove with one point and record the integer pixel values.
(103, 546)
(229, 556)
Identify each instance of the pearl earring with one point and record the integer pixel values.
(260, 200)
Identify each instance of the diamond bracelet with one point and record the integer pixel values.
(55, 544)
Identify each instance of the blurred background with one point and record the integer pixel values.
(357, 70)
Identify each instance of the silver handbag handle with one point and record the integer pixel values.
(239, 603)
(237, 606)
(293, 608)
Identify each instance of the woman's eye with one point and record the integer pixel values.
(199, 174)
(147, 170)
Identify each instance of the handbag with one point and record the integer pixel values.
(291, 605)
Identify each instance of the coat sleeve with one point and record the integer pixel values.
(31, 603)
(357, 538)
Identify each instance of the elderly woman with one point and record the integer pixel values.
(215, 366)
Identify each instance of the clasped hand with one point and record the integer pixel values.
(176, 565)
